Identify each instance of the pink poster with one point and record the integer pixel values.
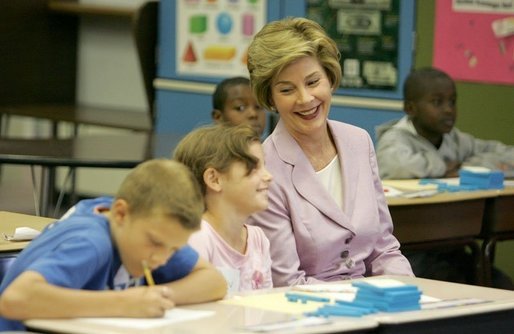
(474, 40)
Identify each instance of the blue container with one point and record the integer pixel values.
(482, 180)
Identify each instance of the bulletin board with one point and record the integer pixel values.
(474, 40)
(367, 34)
(212, 37)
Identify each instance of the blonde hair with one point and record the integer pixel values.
(216, 146)
(164, 186)
(279, 43)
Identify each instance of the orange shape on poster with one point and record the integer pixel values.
(189, 56)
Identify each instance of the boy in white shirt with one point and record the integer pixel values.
(228, 163)
(425, 143)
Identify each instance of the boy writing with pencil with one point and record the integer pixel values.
(228, 163)
(77, 265)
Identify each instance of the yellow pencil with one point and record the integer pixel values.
(148, 274)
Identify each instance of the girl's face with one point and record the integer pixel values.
(302, 93)
(248, 191)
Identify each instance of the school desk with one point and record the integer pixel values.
(447, 219)
(495, 313)
(91, 151)
(498, 224)
(9, 221)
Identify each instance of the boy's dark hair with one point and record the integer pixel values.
(414, 85)
(220, 93)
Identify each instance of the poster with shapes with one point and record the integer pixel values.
(213, 35)
(474, 40)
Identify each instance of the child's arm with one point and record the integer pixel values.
(452, 169)
(205, 283)
(31, 296)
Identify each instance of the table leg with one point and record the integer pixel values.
(487, 254)
(47, 190)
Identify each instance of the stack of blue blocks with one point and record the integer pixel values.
(388, 299)
(369, 299)
(481, 180)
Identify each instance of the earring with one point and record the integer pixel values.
(273, 109)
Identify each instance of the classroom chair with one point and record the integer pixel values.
(5, 262)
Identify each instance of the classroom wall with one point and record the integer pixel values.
(181, 106)
(484, 110)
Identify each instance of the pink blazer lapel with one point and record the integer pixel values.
(304, 178)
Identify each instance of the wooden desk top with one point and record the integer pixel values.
(498, 300)
(9, 221)
(507, 191)
(228, 319)
(232, 318)
(107, 151)
(443, 197)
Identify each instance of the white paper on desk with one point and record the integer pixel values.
(391, 191)
(329, 288)
(342, 291)
(172, 316)
(420, 194)
(22, 234)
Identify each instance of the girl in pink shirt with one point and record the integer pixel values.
(228, 163)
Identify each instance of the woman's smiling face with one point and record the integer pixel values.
(302, 94)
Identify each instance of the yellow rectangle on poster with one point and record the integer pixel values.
(219, 52)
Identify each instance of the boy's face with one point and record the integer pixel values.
(241, 107)
(248, 192)
(435, 113)
(152, 238)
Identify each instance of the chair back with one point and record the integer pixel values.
(145, 29)
(5, 262)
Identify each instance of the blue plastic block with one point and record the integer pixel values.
(445, 187)
(482, 180)
(329, 310)
(381, 290)
(295, 297)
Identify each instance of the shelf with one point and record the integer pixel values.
(76, 8)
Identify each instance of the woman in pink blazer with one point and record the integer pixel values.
(327, 218)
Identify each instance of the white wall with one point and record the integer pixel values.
(108, 75)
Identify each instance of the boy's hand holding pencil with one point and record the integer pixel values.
(148, 301)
